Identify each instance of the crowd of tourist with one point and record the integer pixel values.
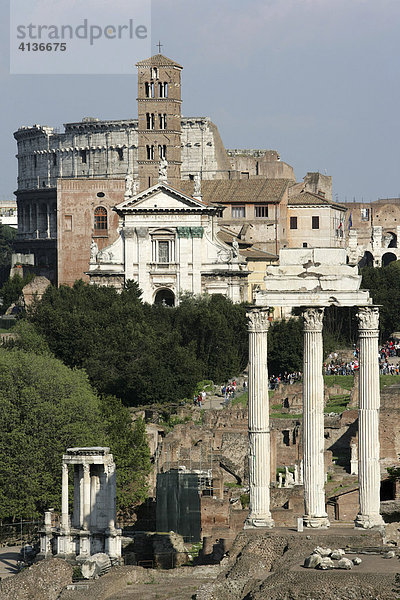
(390, 349)
(286, 378)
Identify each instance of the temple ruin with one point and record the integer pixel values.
(92, 527)
(313, 279)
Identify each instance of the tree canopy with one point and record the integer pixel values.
(45, 407)
(384, 286)
(142, 353)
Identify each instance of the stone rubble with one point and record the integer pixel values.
(325, 558)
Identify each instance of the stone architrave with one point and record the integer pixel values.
(259, 431)
(313, 421)
(368, 419)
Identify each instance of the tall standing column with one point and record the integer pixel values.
(259, 431)
(313, 421)
(64, 497)
(368, 419)
(86, 496)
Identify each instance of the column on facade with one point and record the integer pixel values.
(111, 489)
(93, 495)
(313, 421)
(77, 497)
(259, 431)
(47, 221)
(368, 419)
(86, 496)
(30, 217)
(64, 497)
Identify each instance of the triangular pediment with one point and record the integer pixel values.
(162, 197)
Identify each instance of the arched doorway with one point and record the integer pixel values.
(165, 297)
(388, 258)
(367, 260)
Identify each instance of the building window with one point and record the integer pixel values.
(315, 222)
(100, 218)
(162, 121)
(365, 214)
(163, 90)
(305, 245)
(293, 222)
(238, 212)
(150, 120)
(147, 89)
(150, 152)
(163, 252)
(162, 151)
(163, 247)
(83, 156)
(261, 211)
(120, 153)
(154, 73)
(54, 159)
(35, 161)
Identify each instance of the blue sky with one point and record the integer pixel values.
(317, 80)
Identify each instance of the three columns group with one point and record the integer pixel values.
(313, 420)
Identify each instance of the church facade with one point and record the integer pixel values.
(168, 243)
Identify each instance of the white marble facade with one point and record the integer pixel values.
(168, 244)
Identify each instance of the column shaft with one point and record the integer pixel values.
(368, 420)
(259, 430)
(86, 496)
(313, 421)
(64, 497)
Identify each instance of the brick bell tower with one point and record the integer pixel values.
(159, 112)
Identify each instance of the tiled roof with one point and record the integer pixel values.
(158, 60)
(309, 199)
(239, 191)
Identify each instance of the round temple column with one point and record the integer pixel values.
(368, 419)
(86, 496)
(259, 432)
(313, 421)
(64, 497)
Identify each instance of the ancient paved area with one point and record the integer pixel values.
(8, 560)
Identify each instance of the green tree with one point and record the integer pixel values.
(44, 409)
(130, 451)
(384, 286)
(7, 236)
(12, 289)
(285, 346)
(152, 353)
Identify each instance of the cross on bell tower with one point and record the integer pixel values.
(159, 46)
(159, 112)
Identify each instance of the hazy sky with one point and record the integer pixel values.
(317, 80)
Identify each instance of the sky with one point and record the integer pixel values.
(316, 80)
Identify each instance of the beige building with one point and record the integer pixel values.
(315, 222)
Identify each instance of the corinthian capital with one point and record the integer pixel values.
(258, 319)
(368, 317)
(313, 318)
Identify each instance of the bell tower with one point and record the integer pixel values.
(159, 112)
